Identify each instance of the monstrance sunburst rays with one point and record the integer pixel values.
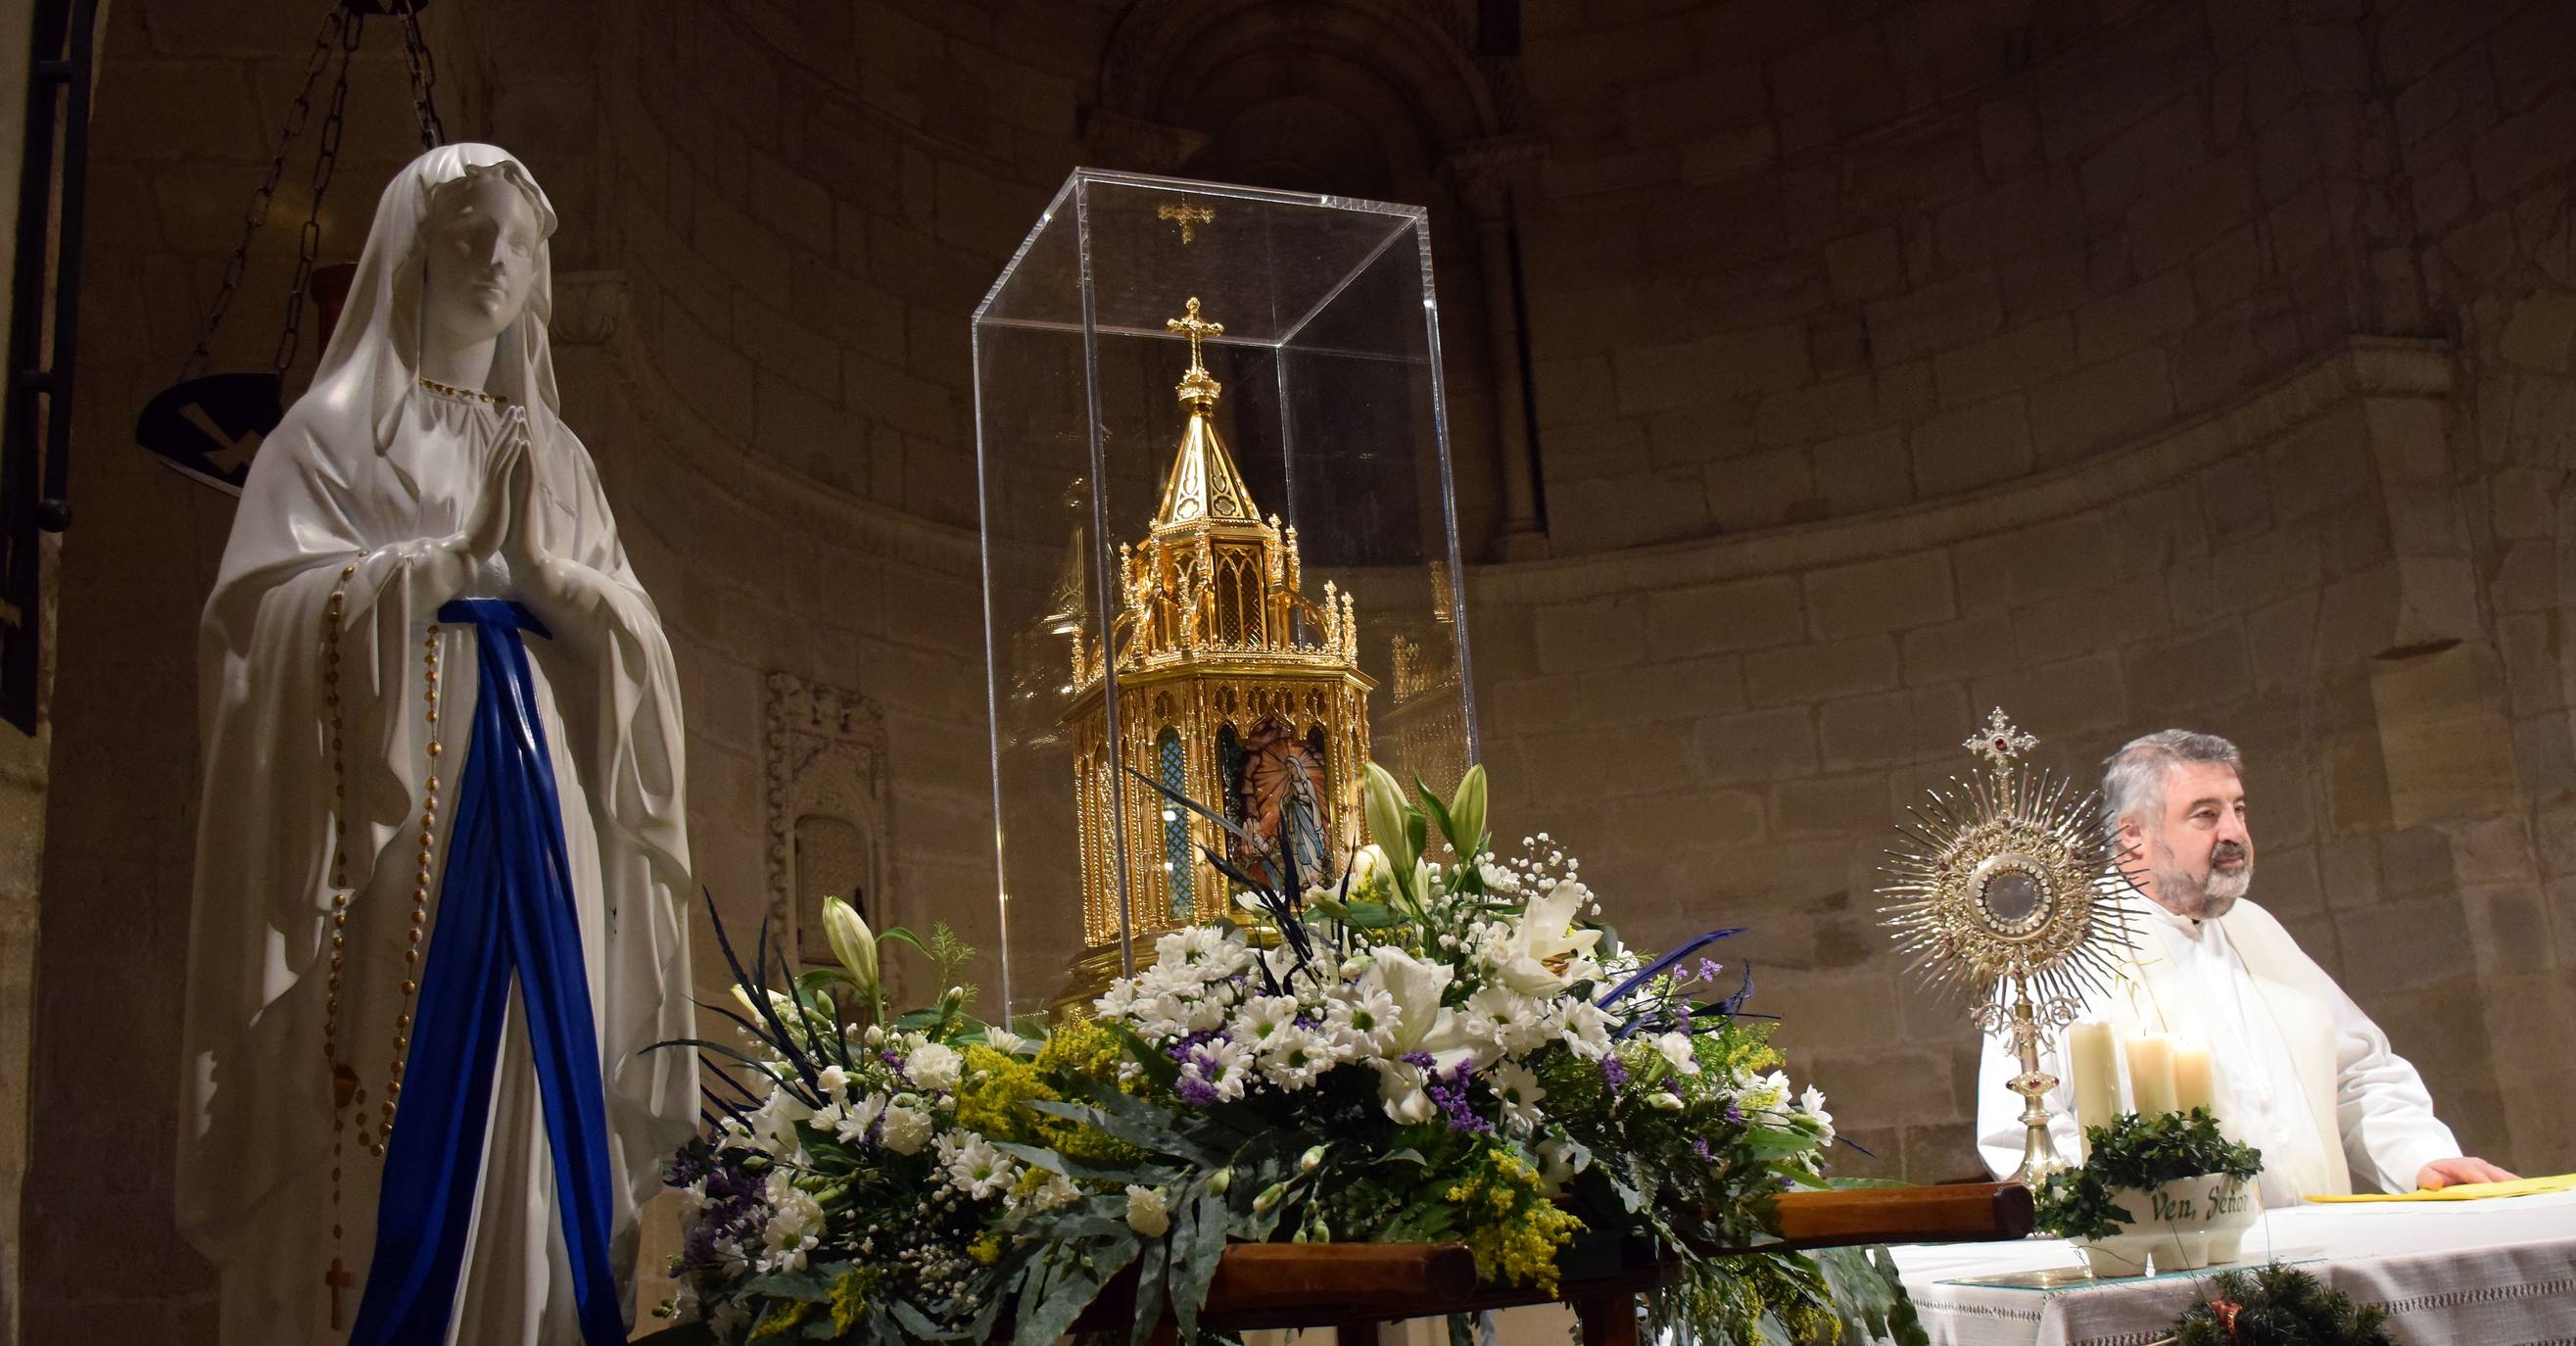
(2005, 889)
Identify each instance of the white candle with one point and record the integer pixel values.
(2195, 1078)
(2093, 1066)
(2151, 1073)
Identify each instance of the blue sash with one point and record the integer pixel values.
(505, 909)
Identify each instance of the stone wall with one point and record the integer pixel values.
(2122, 363)
(1810, 261)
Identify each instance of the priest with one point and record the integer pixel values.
(2304, 1075)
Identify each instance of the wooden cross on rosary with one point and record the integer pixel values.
(1190, 325)
(338, 1279)
(1187, 214)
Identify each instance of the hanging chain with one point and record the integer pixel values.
(256, 215)
(424, 78)
(326, 157)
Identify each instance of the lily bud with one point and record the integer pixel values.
(1270, 1195)
(852, 942)
(1220, 1180)
(1467, 811)
(1385, 807)
(1306, 1162)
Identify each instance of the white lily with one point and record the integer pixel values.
(1545, 933)
(1421, 1024)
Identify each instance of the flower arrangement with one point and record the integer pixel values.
(1437, 1048)
(2276, 1305)
(2135, 1152)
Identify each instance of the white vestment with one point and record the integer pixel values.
(2304, 1075)
(373, 467)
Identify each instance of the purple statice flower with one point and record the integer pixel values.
(1450, 1092)
(1682, 1018)
(1196, 1092)
(1709, 968)
(1735, 1114)
(1615, 1073)
(894, 1059)
(1418, 1060)
(736, 1210)
(1700, 1148)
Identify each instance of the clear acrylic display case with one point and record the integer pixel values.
(1261, 517)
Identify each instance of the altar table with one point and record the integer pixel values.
(2498, 1272)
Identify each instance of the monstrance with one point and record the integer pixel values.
(2006, 887)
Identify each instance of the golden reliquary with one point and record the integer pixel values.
(1234, 689)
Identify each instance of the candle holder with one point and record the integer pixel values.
(2005, 889)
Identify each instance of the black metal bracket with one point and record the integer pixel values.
(44, 331)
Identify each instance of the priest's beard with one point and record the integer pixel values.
(2231, 872)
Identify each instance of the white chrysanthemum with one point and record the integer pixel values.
(856, 1116)
(1520, 1093)
(1006, 1042)
(1506, 1018)
(1047, 1195)
(1224, 1064)
(794, 1226)
(973, 1166)
(1147, 1212)
(1362, 1020)
(1262, 1016)
(933, 1066)
(1586, 1029)
(906, 1129)
(1292, 1057)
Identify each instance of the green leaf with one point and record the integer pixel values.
(1772, 1142)
(1076, 1270)
(1159, 1068)
(898, 932)
(1198, 1244)
(1368, 916)
(1437, 812)
(809, 1286)
(1149, 1292)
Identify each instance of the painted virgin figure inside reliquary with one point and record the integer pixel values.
(442, 843)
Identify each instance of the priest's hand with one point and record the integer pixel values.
(2443, 1173)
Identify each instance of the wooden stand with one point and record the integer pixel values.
(1355, 1287)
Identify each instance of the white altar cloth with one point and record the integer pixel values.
(2498, 1272)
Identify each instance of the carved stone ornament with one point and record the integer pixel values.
(826, 767)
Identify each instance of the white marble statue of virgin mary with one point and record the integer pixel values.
(441, 849)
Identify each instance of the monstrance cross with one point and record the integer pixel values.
(1191, 326)
(1999, 741)
(1187, 214)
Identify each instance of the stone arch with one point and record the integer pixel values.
(1374, 98)
(829, 823)
(1166, 55)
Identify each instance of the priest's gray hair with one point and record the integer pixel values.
(2133, 779)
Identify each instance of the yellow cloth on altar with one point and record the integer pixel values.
(2465, 1191)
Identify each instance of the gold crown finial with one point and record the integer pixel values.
(1196, 385)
